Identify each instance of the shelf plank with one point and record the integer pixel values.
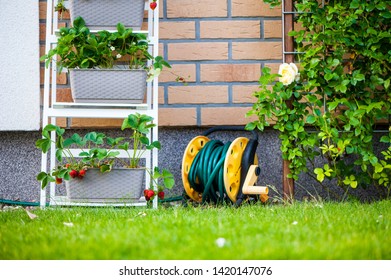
(64, 201)
(122, 153)
(97, 111)
(57, 31)
(63, 105)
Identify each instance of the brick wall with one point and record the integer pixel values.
(221, 45)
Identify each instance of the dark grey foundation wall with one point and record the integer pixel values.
(20, 162)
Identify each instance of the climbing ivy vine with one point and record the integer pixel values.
(342, 97)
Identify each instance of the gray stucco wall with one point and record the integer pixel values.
(20, 162)
(19, 66)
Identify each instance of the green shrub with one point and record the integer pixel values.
(343, 93)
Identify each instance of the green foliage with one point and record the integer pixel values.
(140, 125)
(101, 151)
(273, 3)
(344, 92)
(163, 178)
(95, 157)
(78, 47)
(60, 8)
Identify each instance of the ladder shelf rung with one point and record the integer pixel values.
(62, 105)
(96, 112)
(64, 201)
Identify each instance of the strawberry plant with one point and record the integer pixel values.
(140, 126)
(163, 179)
(77, 47)
(100, 151)
(71, 166)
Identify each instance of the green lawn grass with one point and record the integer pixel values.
(302, 231)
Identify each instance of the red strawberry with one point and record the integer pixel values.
(153, 5)
(81, 173)
(73, 173)
(161, 195)
(67, 165)
(58, 180)
(150, 194)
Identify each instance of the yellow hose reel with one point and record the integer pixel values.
(240, 167)
(191, 151)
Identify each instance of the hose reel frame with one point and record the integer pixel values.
(240, 156)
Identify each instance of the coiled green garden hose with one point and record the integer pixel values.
(206, 173)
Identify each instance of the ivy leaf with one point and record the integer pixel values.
(328, 76)
(342, 87)
(319, 174)
(357, 76)
(385, 139)
(311, 119)
(334, 62)
(314, 62)
(250, 126)
(387, 83)
(351, 181)
(333, 105)
(378, 168)
(386, 14)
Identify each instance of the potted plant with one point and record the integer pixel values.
(108, 67)
(140, 126)
(103, 14)
(97, 173)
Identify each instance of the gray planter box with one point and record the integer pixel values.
(118, 185)
(108, 85)
(106, 14)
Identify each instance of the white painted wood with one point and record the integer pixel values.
(95, 110)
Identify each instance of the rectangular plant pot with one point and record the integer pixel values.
(106, 14)
(118, 185)
(108, 85)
